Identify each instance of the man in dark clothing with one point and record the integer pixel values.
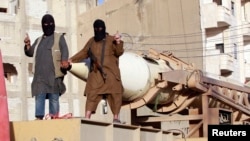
(50, 53)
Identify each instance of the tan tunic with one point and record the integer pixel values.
(95, 84)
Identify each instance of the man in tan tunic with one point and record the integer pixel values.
(104, 77)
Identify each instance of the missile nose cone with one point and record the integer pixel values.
(79, 70)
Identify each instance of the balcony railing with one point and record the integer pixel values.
(216, 16)
(246, 31)
(223, 16)
(226, 63)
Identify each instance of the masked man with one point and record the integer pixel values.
(104, 79)
(50, 55)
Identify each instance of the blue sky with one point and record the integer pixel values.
(100, 2)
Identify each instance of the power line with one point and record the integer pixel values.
(232, 28)
(197, 42)
(193, 42)
(200, 56)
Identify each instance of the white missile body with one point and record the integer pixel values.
(137, 73)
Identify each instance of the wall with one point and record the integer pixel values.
(13, 28)
(158, 24)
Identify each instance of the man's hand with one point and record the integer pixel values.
(27, 41)
(65, 64)
(117, 38)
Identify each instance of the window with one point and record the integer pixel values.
(9, 6)
(232, 8)
(4, 6)
(9, 71)
(220, 47)
(235, 51)
(3, 10)
(30, 67)
(219, 2)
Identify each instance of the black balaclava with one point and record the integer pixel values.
(50, 27)
(99, 34)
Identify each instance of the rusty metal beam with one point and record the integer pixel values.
(234, 104)
(240, 88)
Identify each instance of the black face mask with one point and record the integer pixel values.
(99, 30)
(48, 25)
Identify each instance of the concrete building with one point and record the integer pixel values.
(19, 17)
(211, 34)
